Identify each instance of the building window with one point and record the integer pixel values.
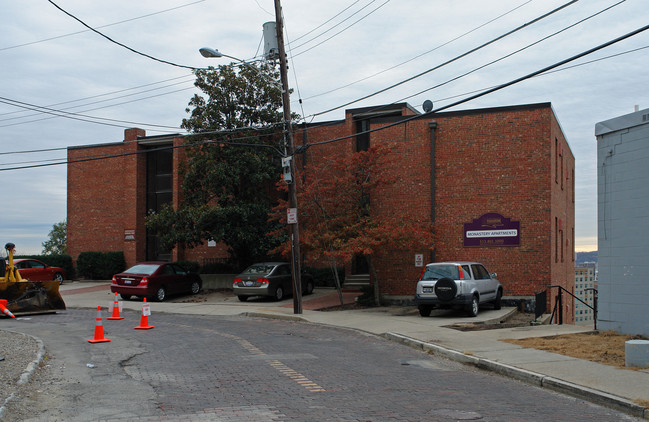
(556, 160)
(556, 239)
(362, 138)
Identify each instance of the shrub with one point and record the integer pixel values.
(63, 261)
(324, 277)
(218, 268)
(189, 266)
(100, 265)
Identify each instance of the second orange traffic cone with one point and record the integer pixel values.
(144, 319)
(115, 309)
(99, 329)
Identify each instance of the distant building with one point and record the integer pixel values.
(585, 282)
(623, 222)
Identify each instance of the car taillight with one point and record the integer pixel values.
(461, 272)
(236, 282)
(144, 281)
(114, 280)
(263, 280)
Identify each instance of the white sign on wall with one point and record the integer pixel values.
(419, 260)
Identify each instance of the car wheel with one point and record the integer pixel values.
(279, 294)
(125, 297)
(58, 277)
(196, 287)
(473, 307)
(309, 288)
(445, 289)
(160, 294)
(497, 303)
(242, 298)
(424, 311)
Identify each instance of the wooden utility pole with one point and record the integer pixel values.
(292, 190)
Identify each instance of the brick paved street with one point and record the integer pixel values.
(235, 368)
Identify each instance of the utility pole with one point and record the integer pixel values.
(292, 191)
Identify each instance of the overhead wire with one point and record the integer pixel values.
(76, 116)
(421, 54)
(339, 32)
(543, 72)
(326, 22)
(491, 90)
(121, 44)
(512, 53)
(456, 58)
(102, 26)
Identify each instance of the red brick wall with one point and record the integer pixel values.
(506, 160)
(498, 160)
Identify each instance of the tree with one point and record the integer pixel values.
(56, 244)
(227, 180)
(336, 215)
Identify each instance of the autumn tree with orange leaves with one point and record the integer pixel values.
(339, 218)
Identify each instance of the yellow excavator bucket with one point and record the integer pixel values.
(28, 297)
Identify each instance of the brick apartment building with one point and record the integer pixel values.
(497, 185)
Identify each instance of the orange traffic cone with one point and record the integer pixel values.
(144, 320)
(115, 309)
(99, 329)
(3, 308)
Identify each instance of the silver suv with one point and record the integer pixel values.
(463, 284)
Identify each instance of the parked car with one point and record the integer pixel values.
(457, 284)
(155, 280)
(269, 279)
(35, 270)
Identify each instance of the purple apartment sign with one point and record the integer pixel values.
(492, 230)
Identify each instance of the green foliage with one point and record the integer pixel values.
(100, 265)
(189, 266)
(324, 276)
(56, 244)
(63, 261)
(228, 177)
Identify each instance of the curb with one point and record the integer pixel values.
(29, 370)
(539, 380)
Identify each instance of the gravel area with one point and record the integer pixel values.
(17, 354)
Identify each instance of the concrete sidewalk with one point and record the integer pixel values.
(621, 389)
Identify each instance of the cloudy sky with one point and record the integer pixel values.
(340, 51)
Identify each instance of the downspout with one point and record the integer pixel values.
(433, 126)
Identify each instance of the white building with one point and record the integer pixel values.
(623, 222)
(585, 282)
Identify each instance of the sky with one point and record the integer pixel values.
(339, 51)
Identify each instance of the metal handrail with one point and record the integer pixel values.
(559, 303)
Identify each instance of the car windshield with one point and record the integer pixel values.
(259, 269)
(435, 272)
(147, 269)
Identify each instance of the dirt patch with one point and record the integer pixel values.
(605, 347)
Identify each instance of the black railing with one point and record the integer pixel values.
(558, 304)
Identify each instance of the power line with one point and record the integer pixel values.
(326, 22)
(473, 50)
(491, 90)
(75, 116)
(120, 44)
(421, 54)
(339, 32)
(512, 53)
(102, 26)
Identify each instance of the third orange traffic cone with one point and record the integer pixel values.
(144, 320)
(115, 309)
(99, 329)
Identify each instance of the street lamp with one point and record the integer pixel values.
(295, 231)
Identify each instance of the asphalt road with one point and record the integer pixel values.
(251, 369)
